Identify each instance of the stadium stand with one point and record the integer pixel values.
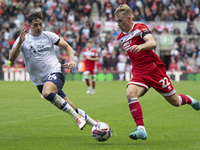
(175, 25)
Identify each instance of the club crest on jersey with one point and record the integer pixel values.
(127, 45)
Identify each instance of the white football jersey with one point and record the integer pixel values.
(39, 56)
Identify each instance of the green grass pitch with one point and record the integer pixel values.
(28, 122)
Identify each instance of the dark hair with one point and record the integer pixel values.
(34, 16)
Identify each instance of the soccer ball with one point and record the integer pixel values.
(101, 132)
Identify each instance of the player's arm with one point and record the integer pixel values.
(15, 51)
(64, 45)
(149, 44)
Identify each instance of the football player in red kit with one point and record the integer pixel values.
(147, 69)
(90, 56)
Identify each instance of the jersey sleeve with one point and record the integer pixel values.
(54, 37)
(144, 30)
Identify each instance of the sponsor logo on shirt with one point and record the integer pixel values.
(39, 48)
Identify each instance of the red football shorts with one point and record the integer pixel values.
(157, 79)
(89, 70)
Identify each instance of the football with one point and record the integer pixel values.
(101, 132)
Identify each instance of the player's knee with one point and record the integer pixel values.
(45, 94)
(130, 95)
(50, 97)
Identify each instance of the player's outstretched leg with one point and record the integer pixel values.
(63, 105)
(89, 120)
(140, 133)
(195, 104)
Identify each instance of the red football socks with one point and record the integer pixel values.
(185, 99)
(136, 111)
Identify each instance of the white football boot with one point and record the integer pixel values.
(88, 90)
(80, 121)
(93, 91)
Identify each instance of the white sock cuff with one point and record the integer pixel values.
(141, 127)
(180, 100)
(132, 100)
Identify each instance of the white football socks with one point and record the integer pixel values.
(89, 120)
(141, 127)
(63, 105)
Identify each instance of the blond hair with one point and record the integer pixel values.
(124, 8)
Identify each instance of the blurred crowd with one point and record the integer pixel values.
(71, 20)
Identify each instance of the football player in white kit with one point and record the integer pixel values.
(37, 48)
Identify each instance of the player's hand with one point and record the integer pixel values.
(70, 65)
(135, 49)
(22, 34)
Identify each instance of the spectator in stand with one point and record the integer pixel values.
(185, 58)
(179, 64)
(182, 52)
(192, 63)
(174, 52)
(198, 44)
(173, 65)
(122, 57)
(154, 8)
(88, 9)
(99, 7)
(172, 10)
(121, 68)
(189, 29)
(108, 9)
(192, 45)
(83, 40)
(176, 31)
(105, 59)
(184, 66)
(198, 61)
(196, 9)
(148, 13)
(113, 60)
(165, 32)
(188, 49)
(196, 32)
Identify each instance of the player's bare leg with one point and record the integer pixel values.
(93, 85)
(133, 92)
(180, 99)
(49, 93)
(86, 75)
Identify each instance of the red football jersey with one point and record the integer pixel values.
(144, 61)
(89, 64)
